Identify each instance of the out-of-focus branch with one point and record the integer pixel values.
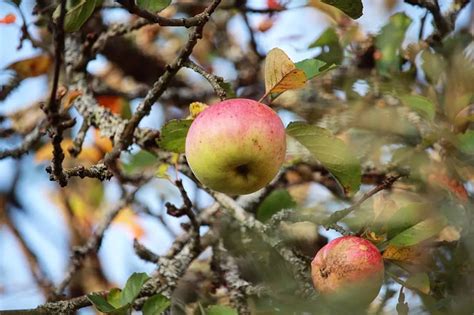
(444, 23)
(11, 85)
(92, 244)
(253, 42)
(9, 202)
(339, 215)
(30, 140)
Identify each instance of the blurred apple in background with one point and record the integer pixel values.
(348, 271)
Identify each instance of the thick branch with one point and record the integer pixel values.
(52, 110)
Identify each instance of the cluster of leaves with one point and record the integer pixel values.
(119, 302)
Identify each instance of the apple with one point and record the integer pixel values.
(236, 146)
(348, 271)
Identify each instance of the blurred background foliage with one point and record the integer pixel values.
(396, 86)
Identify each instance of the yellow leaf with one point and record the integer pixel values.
(88, 154)
(419, 281)
(103, 143)
(374, 237)
(162, 171)
(414, 255)
(32, 67)
(70, 97)
(281, 73)
(128, 219)
(195, 108)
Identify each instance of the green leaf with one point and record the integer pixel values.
(405, 217)
(433, 65)
(156, 305)
(330, 151)
(77, 13)
(227, 87)
(114, 297)
(352, 8)
(277, 200)
(133, 287)
(220, 310)
(332, 51)
(419, 281)
(140, 160)
(466, 142)
(420, 104)
(173, 135)
(124, 310)
(100, 303)
(153, 5)
(389, 42)
(314, 67)
(420, 232)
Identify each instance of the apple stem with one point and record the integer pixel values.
(263, 97)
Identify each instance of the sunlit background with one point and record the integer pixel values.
(38, 217)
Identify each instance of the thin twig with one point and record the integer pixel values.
(162, 21)
(339, 215)
(76, 147)
(144, 253)
(214, 80)
(253, 42)
(186, 209)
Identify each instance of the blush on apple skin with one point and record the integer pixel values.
(236, 146)
(348, 271)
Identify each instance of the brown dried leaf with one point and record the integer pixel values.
(414, 255)
(32, 67)
(281, 73)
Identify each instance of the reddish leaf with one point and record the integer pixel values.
(8, 19)
(265, 25)
(112, 102)
(274, 4)
(450, 184)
